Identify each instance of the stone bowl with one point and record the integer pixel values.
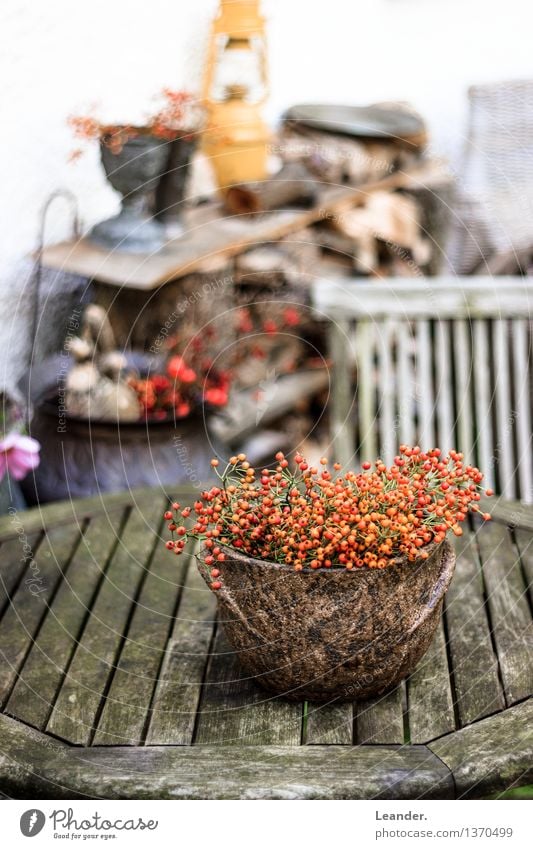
(331, 633)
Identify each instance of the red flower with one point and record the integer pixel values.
(178, 369)
(216, 396)
(160, 382)
(183, 409)
(244, 323)
(291, 317)
(270, 326)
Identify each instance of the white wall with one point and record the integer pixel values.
(59, 56)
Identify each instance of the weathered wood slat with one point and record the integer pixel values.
(241, 421)
(425, 396)
(504, 409)
(14, 557)
(40, 678)
(512, 513)
(29, 605)
(444, 297)
(380, 720)
(127, 704)
(483, 400)
(509, 609)
(75, 713)
(522, 379)
(463, 393)
(342, 394)
(386, 405)
(524, 542)
(235, 711)
(33, 766)
(176, 699)
(490, 756)
(65, 512)
(329, 724)
(443, 389)
(475, 666)
(365, 349)
(406, 388)
(429, 695)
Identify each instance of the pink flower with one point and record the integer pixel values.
(18, 454)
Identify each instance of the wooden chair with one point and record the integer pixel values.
(438, 361)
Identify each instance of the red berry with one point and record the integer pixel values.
(216, 585)
(168, 515)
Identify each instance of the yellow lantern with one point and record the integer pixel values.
(235, 88)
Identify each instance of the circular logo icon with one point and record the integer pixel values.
(32, 822)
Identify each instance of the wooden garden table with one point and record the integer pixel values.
(116, 682)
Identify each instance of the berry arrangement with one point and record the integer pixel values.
(316, 518)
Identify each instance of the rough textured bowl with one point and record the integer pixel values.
(331, 633)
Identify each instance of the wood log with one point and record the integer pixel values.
(293, 184)
(242, 416)
(338, 159)
(264, 266)
(144, 319)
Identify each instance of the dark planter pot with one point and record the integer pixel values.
(80, 458)
(171, 188)
(134, 172)
(331, 634)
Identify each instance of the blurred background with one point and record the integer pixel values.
(433, 182)
(59, 58)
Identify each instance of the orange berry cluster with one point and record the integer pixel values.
(316, 518)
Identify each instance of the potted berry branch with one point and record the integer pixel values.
(329, 585)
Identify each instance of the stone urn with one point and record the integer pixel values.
(134, 171)
(331, 634)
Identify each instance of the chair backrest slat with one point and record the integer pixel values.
(426, 429)
(406, 383)
(482, 399)
(523, 389)
(443, 389)
(504, 410)
(366, 389)
(445, 362)
(386, 403)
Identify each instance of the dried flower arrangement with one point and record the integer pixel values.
(198, 372)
